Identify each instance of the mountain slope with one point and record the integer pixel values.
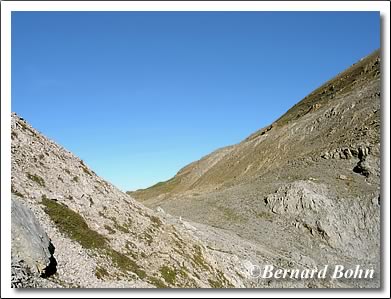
(88, 234)
(318, 124)
(101, 237)
(309, 183)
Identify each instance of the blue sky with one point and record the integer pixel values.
(138, 95)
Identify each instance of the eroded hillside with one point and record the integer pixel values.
(100, 236)
(308, 184)
(343, 115)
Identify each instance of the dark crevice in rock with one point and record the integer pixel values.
(361, 168)
(51, 268)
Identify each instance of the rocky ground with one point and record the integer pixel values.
(302, 192)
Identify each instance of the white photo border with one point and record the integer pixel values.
(7, 7)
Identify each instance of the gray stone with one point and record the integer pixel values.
(30, 242)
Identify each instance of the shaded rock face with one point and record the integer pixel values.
(30, 243)
(21, 275)
(368, 166)
(314, 209)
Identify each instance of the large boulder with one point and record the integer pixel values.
(350, 224)
(30, 243)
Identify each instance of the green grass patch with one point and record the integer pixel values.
(125, 264)
(74, 226)
(37, 179)
(101, 272)
(184, 272)
(123, 228)
(198, 258)
(220, 281)
(168, 274)
(16, 192)
(215, 284)
(155, 190)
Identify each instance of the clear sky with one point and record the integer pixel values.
(138, 95)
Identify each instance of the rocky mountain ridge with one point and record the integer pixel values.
(322, 121)
(309, 183)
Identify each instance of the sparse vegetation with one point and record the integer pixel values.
(221, 280)
(147, 238)
(341, 84)
(86, 171)
(123, 228)
(124, 263)
(155, 220)
(198, 258)
(157, 283)
(155, 190)
(24, 126)
(74, 226)
(168, 274)
(109, 229)
(184, 272)
(16, 192)
(75, 179)
(37, 179)
(129, 249)
(230, 214)
(264, 215)
(101, 272)
(215, 284)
